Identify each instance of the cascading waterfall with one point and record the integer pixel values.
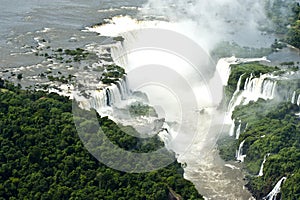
(223, 68)
(238, 131)
(235, 96)
(276, 190)
(235, 131)
(123, 87)
(117, 53)
(247, 81)
(293, 100)
(203, 170)
(254, 88)
(115, 94)
(108, 96)
(239, 153)
(232, 105)
(166, 134)
(261, 170)
(296, 100)
(261, 87)
(269, 88)
(98, 100)
(232, 129)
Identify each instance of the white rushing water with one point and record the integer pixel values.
(275, 191)
(232, 128)
(261, 170)
(238, 131)
(235, 97)
(239, 153)
(295, 99)
(203, 21)
(205, 169)
(235, 131)
(263, 87)
(105, 97)
(223, 68)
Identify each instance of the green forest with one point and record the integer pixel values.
(269, 127)
(42, 156)
(246, 69)
(272, 128)
(285, 16)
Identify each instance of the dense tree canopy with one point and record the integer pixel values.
(42, 157)
(272, 129)
(285, 16)
(245, 69)
(268, 128)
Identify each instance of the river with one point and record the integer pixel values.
(60, 24)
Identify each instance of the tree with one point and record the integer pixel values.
(19, 76)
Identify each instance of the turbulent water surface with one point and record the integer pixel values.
(26, 26)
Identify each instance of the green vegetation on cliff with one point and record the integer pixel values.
(285, 16)
(268, 128)
(42, 157)
(246, 69)
(272, 129)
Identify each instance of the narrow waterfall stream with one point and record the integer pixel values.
(261, 170)
(273, 194)
(239, 153)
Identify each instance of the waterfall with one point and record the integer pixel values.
(236, 92)
(232, 128)
(276, 190)
(239, 153)
(223, 68)
(119, 85)
(254, 88)
(261, 87)
(164, 133)
(293, 100)
(261, 173)
(106, 97)
(238, 131)
(117, 53)
(206, 168)
(268, 89)
(123, 88)
(247, 81)
(235, 100)
(115, 94)
(98, 100)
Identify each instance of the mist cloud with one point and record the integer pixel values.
(212, 21)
